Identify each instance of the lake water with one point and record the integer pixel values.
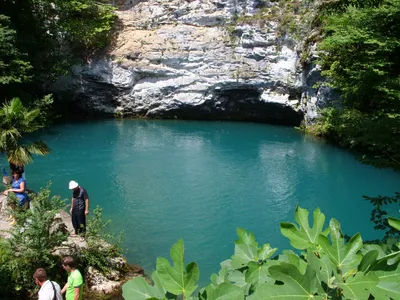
(164, 180)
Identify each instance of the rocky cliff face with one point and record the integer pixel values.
(193, 59)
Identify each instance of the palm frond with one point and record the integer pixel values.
(28, 120)
(39, 148)
(15, 121)
(31, 115)
(9, 139)
(20, 156)
(15, 105)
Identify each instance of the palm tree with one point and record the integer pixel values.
(16, 121)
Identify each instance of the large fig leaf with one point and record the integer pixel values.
(391, 259)
(139, 289)
(290, 257)
(265, 251)
(383, 259)
(395, 223)
(177, 279)
(295, 285)
(359, 286)
(368, 260)
(224, 291)
(388, 286)
(304, 236)
(373, 247)
(238, 278)
(345, 257)
(245, 237)
(221, 277)
(258, 274)
(325, 271)
(246, 250)
(243, 255)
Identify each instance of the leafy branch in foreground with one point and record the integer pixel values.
(176, 279)
(328, 268)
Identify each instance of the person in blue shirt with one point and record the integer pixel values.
(18, 186)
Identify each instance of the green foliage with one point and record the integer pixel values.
(86, 23)
(15, 121)
(13, 68)
(395, 223)
(32, 240)
(329, 268)
(41, 40)
(304, 237)
(5, 273)
(339, 6)
(175, 279)
(44, 105)
(294, 17)
(375, 135)
(102, 245)
(35, 236)
(360, 55)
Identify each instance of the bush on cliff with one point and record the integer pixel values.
(40, 40)
(360, 54)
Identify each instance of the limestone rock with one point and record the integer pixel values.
(189, 59)
(118, 263)
(62, 222)
(100, 283)
(3, 206)
(315, 96)
(4, 222)
(111, 281)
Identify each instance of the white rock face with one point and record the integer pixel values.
(100, 283)
(188, 59)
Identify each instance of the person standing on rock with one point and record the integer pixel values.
(73, 289)
(49, 290)
(79, 207)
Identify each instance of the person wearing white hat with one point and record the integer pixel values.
(79, 207)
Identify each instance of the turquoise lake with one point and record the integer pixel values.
(164, 180)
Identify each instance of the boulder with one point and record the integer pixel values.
(100, 283)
